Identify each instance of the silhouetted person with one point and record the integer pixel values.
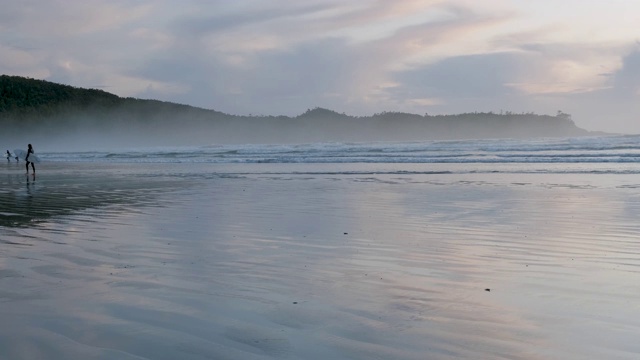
(8, 156)
(29, 152)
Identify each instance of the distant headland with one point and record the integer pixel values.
(49, 110)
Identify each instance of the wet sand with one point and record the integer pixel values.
(101, 261)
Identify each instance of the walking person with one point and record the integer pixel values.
(33, 167)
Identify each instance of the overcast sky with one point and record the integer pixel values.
(360, 57)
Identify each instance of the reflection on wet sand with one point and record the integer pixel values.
(27, 199)
(124, 264)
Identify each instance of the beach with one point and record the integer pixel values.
(317, 261)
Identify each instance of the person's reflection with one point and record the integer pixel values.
(33, 180)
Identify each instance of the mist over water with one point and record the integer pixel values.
(154, 124)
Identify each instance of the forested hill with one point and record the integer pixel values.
(45, 109)
(42, 102)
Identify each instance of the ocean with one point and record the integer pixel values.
(617, 151)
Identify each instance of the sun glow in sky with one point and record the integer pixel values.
(359, 57)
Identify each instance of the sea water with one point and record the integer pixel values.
(613, 150)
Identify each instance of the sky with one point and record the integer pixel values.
(359, 57)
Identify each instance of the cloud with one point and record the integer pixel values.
(57, 18)
(81, 43)
(464, 76)
(614, 108)
(626, 81)
(360, 57)
(201, 24)
(232, 65)
(17, 60)
(482, 82)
